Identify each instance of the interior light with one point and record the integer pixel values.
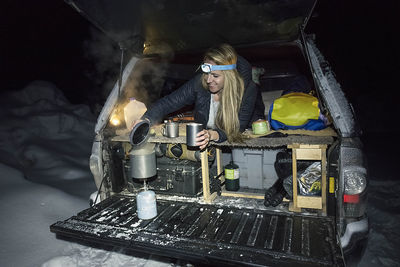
(115, 120)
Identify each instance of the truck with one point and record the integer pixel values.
(198, 220)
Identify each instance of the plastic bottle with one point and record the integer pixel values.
(232, 177)
(134, 110)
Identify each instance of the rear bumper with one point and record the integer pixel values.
(354, 241)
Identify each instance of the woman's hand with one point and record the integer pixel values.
(204, 137)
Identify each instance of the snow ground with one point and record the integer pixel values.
(45, 143)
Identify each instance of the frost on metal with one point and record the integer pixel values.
(339, 108)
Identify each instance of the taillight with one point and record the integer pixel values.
(354, 197)
(354, 205)
(351, 199)
(355, 180)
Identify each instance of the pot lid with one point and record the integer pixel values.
(139, 133)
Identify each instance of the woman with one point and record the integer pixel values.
(224, 97)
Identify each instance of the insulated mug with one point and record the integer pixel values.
(191, 132)
(170, 129)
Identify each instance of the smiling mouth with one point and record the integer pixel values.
(214, 89)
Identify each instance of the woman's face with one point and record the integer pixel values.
(215, 79)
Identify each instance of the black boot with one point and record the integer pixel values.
(278, 197)
(272, 192)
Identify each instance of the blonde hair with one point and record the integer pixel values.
(227, 117)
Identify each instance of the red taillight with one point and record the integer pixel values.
(354, 205)
(351, 198)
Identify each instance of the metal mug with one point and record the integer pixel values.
(170, 129)
(191, 132)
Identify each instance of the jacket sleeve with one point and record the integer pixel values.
(183, 96)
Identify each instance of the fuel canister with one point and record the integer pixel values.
(232, 177)
(146, 205)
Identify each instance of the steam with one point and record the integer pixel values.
(145, 149)
(145, 82)
(148, 78)
(106, 56)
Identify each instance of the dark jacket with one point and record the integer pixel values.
(192, 92)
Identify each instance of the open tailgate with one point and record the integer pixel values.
(208, 234)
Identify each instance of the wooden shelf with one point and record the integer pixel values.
(309, 145)
(308, 152)
(323, 137)
(262, 142)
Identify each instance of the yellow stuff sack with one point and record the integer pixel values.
(295, 111)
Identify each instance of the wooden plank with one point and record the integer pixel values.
(294, 206)
(220, 168)
(242, 194)
(251, 142)
(308, 153)
(205, 176)
(307, 146)
(311, 202)
(323, 180)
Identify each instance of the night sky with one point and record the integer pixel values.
(45, 40)
(49, 40)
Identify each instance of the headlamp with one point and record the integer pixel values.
(207, 68)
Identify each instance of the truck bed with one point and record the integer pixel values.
(207, 234)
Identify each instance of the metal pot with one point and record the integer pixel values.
(142, 163)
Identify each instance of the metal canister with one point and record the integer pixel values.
(146, 205)
(232, 176)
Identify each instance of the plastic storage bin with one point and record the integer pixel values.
(256, 166)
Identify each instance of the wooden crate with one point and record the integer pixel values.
(308, 152)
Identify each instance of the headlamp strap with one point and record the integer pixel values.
(206, 67)
(223, 67)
